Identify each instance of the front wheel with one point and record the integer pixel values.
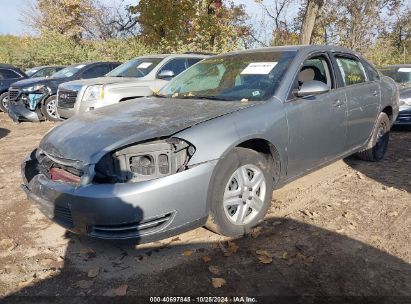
(49, 108)
(241, 192)
(378, 144)
(4, 102)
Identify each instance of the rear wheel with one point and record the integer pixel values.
(241, 192)
(4, 102)
(49, 108)
(378, 144)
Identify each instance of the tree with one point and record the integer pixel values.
(312, 9)
(206, 24)
(66, 17)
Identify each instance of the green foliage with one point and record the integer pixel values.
(54, 48)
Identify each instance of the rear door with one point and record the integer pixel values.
(363, 99)
(317, 124)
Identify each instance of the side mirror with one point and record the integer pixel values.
(166, 74)
(312, 87)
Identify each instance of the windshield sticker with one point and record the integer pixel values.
(404, 70)
(256, 93)
(144, 65)
(259, 68)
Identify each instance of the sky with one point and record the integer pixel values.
(10, 13)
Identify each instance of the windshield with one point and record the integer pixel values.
(68, 71)
(243, 77)
(138, 67)
(401, 75)
(31, 72)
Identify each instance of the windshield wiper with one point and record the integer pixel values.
(210, 97)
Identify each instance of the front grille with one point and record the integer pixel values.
(131, 229)
(66, 99)
(62, 215)
(13, 93)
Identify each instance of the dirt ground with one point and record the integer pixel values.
(343, 230)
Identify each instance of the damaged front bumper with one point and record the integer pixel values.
(19, 112)
(143, 211)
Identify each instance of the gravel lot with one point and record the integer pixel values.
(343, 230)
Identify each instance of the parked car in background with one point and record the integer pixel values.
(136, 78)
(402, 75)
(8, 75)
(35, 99)
(210, 147)
(44, 71)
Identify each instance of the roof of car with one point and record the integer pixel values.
(47, 66)
(295, 48)
(162, 56)
(396, 66)
(9, 66)
(94, 62)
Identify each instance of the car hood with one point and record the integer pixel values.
(99, 80)
(51, 82)
(89, 136)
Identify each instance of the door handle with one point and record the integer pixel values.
(338, 103)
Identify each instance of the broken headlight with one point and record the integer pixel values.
(145, 161)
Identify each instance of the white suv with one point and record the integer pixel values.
(138, 77)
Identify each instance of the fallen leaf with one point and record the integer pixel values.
(255, 233)
(265, 259)
(46, 262)
(27, 283)
(6, 243)
(87, 253)
(214, 269)
(188, 253)
(394, 213)
(285, 255)
(139, 258)
(264, 253)
(93, 272)
(206, 258)
(121, 290)
(232, 247)
(217, 282)
(85, 284)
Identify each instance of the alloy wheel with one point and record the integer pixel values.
(244, 194)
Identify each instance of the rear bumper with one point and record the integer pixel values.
(141, 212)
(19, 112)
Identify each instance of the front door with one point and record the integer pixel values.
(317, 124)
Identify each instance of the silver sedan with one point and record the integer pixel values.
(212, 145)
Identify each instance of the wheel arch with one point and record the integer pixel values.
(389, 111)
(269, 150)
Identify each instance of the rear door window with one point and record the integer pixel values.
(352, 71)
(8, 74)
(96, 71)
(192, 61)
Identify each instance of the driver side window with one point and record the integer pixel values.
(316, 68)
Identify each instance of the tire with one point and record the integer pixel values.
(230, 214)
(378, 143)
(4, 102)
(49, 108)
